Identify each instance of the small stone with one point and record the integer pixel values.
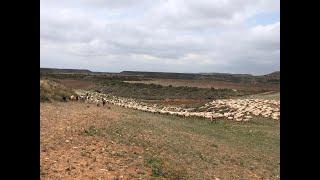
(109, 167)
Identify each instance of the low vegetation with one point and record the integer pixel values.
(52, 90)
(116, 85)
(158, 92)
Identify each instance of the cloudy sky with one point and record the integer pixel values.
(230, 36)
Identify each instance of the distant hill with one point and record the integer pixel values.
(225, 74)
(56, 70)
(174, 73)
(275, 74)
(183, 75)
(160, 74)
(273, 78)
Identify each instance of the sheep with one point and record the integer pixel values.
(239, 120)
(246, 119)
(214, 118)
(275, 118)
(82, 98)
(96, 101)
(238, 110)
(72, 97)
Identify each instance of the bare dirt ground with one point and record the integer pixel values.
(66, 152)
(77, 84)
(208, 84)
(80, 142)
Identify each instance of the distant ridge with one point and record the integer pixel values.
(151, 72)
(228, 74)
(174, 73)
(275, 74)
(56, 70)
(155, 74)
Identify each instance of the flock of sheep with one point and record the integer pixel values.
(240, 110)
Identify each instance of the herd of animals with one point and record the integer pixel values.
(240, 110)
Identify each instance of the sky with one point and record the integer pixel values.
(185, 36)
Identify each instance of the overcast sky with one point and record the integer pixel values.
(229, 36)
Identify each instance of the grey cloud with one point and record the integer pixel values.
(204, 14)
(162, 40)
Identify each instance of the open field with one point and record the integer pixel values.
(78, 142)
(267, 95)
(77, 84)
(116, 85)
(205, 83)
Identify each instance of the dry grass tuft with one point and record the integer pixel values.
(51, 90)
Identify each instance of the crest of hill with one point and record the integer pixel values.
(56, 70)
(275, 74)
(53, 91)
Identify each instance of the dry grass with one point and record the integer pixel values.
(132, 144)
(268, 95)
(77, 84)
(51, 90)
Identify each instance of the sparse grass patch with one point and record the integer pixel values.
(92, 131)
(51, 90)
(214, 145)
(178, 148)
(156, 166)
(166, 168)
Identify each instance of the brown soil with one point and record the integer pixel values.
(67, 153)
(77, 84)
(82, 141)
